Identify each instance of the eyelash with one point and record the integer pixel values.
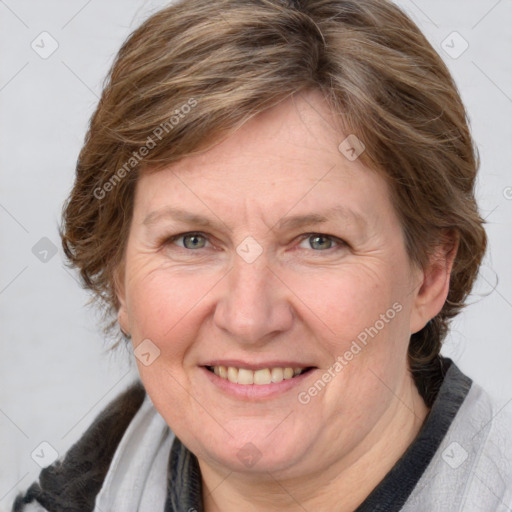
(173, 238)
(340, 243)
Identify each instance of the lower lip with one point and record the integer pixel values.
(255, 391)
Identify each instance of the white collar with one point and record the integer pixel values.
(137, 478)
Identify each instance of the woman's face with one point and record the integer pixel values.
(272, 251)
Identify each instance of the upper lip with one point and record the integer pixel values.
(238, 363)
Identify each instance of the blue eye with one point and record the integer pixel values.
(191, 240)
(316, 241)
(320, 242)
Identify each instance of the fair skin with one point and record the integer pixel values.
(300, 303)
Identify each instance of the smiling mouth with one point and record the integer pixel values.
(259, 377)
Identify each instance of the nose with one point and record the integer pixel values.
(253, 307)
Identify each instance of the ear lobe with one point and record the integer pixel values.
(433, 290)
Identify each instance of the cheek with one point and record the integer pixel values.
(167, 308)
(360, 322)
(163, 304)
(359, 319)
(346, 303)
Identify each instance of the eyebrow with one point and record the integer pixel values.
(339, 212)
(290, 222)
(177, 214)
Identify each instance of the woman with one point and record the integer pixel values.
(275, 203)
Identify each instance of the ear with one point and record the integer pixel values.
(120, 291)
(432, 291)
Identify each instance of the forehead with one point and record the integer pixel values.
(285, 160)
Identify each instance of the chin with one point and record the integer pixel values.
(254, 450)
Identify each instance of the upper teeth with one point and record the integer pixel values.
(259, 377)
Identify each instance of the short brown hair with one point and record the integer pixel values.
(199, 69)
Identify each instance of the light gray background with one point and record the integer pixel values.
(56, 374)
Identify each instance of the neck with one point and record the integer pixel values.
(342, 486)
